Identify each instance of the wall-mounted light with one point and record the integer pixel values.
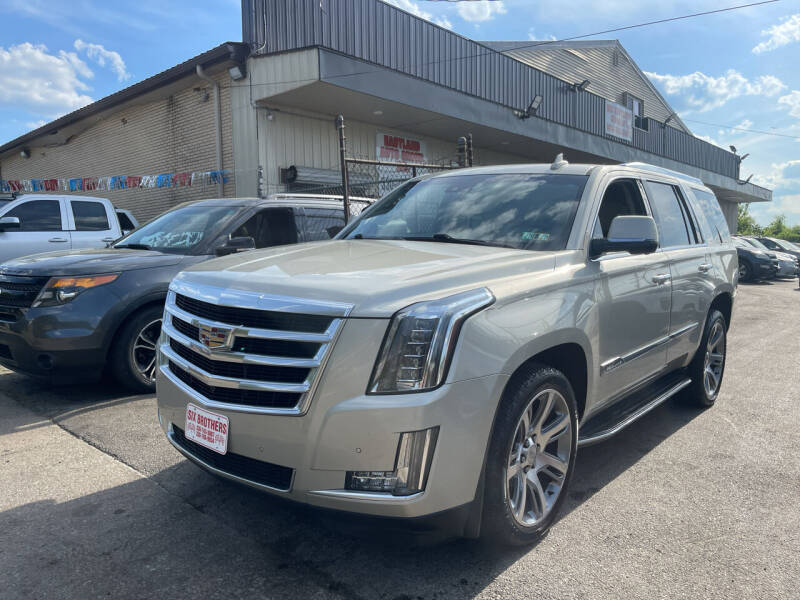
(733, 149)
(667, 120)
(746, 180)
(237, 72)
(741, 158)
(580, 87)
(532, 108)
(25, 153)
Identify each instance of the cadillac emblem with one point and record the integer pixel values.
(215, 338)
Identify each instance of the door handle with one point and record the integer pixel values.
(56, 239)
(661, 279)
(108, 239)
(705, 267)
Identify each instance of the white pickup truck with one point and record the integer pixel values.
(36, 223)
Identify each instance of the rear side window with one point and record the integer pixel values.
(38, 215)
(89, 216)
(270, 227)
(709, 204)
(322, 223)
(669, 214)
(124, 222)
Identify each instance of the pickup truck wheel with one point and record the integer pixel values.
(134, 359)
(531, 457)
(708, 365)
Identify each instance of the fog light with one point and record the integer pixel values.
(411, 467)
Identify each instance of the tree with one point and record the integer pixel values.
(746, 224)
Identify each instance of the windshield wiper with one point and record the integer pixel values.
(447, 238)
(133, 246)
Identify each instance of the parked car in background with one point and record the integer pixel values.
(775, 244)
(34, 223)
(66, 315)
(435, 361)
(754, 264)
(788, 264)
(127, 221)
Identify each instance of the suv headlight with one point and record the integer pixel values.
(420, 341)
(60, 290)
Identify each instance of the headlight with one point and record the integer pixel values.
(60, 290)
(420, 341)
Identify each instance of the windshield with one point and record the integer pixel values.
(786, 245)
(521, 211)
(741, 243)
(180, 231)
(756, 243)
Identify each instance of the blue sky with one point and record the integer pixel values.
(736, 69)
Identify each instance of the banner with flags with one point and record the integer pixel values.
(116, 182)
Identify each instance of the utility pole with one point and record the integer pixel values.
(343, 160)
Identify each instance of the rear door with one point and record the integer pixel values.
(691, 270)
(42, 223)
(91, 225)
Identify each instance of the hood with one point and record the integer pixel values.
(88, 262)
(784, 256)
(378, 277)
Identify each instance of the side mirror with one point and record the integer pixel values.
(234, 245)
(7, 223)
(628, 233)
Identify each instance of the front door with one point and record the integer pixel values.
(40, 230)
(633, 298)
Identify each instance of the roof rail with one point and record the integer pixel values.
(653, 168)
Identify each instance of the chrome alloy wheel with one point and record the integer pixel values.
(715, 359)
(143, 353)
(539, 458)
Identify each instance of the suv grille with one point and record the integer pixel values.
(248, 359)
(19, 291)
(257, 471)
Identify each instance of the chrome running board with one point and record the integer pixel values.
(593, 437)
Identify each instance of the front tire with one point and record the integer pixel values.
(708, 365)
(134, 356)
(745, 271)
(531, 457)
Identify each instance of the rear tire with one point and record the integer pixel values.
(708, 365)
(531, 457)
(134, 356)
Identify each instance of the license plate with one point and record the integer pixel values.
(207, 429)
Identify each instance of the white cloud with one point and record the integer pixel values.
(792, 102)
(102, 56)
(535, 38)
(35, 124)
(781, 34)
(481, 10)
(706, 92)
(414, 9)
(43, 83)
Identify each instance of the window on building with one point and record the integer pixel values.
(669, 215)
(637, 107)
(622, 197)
(38, 215)
(89, 216)
(322, 223)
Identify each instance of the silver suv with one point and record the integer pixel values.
(443, 359)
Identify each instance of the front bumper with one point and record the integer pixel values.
(59, 343)
(346, 430)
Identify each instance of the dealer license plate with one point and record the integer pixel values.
(207, 429)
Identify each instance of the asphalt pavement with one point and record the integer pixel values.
(94, 503)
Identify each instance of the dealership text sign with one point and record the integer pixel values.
(395, 148)
(619, 121)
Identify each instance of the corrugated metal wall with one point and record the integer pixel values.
(384, 35)
(173, 134)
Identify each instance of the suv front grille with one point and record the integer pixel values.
(20, 291)
(263, 360)
(249, 317)
(257, 471)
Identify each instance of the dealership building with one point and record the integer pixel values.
(262, 111)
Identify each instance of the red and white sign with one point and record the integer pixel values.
(396, 148)
(619, 121)
(206, 428)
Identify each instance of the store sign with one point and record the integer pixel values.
(619, 121)
(395, 148)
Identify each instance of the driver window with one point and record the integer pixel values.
(622, 197)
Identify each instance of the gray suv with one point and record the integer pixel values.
(444, 358)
